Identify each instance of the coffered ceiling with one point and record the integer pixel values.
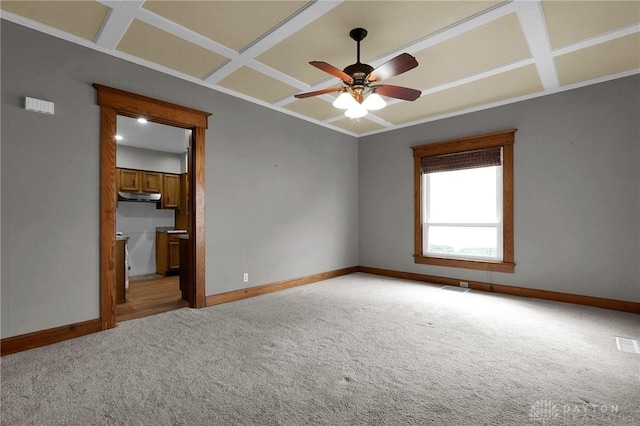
(472, 54)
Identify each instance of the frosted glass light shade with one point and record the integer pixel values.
(356, 111)
(344, 101)
(374, 102)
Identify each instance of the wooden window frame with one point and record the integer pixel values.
(114, 102)
(502, 139)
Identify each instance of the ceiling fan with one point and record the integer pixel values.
(357, 82)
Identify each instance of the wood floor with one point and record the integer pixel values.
(150, 297)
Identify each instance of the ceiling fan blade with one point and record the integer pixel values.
(397, 92)
(317, 92)
(396, 66)
(332, 70)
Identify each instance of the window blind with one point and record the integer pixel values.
(462, 160)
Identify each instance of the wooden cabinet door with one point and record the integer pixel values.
(171, 192)
(174, 254)
(167, 253)
(151, 182)
(185, 286)
(161, 253)
(129, 180)
(121, 274)
(182, 215)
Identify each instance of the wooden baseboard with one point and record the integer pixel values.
(244, 293)
(616, 305)
(11, 345)
(36, 339)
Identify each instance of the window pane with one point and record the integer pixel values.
(463, 196)
(463, 241)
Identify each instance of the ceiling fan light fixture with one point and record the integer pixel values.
(344, 101)
(374, 102)
(357, 79)
(356, 111)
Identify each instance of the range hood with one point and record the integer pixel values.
(138, 197)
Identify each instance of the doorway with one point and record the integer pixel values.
(151, 216)
(114, 103)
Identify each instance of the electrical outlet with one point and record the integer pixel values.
(245, 277)
(464, 284)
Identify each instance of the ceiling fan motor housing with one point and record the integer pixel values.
(358, 72)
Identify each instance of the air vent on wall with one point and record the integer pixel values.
(38, 105)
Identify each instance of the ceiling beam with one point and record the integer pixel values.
(297, 21)
(171, 27)
(533, 25)
(592, 41)
(120, 16)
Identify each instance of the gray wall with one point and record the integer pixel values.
(139, 221)
(130, 157)
(281, 193)
(577, 191)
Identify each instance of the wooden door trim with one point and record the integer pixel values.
(134, 105)
(196, 217)
(108, 205)
(114, 102)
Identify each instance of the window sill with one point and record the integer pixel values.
(482, 265)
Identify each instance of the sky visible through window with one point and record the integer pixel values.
(463, 198)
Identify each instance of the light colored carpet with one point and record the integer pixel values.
(354, 350)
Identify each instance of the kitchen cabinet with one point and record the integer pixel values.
(167, 252)
(139, 181)
(121, 269)
(151, 181)
(185, 284)
(167, 184)
(182, 214)
(171, 191)
(128, 180)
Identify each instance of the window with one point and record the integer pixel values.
(464, 202)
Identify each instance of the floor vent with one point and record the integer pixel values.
(454, 288)
(627, 345)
